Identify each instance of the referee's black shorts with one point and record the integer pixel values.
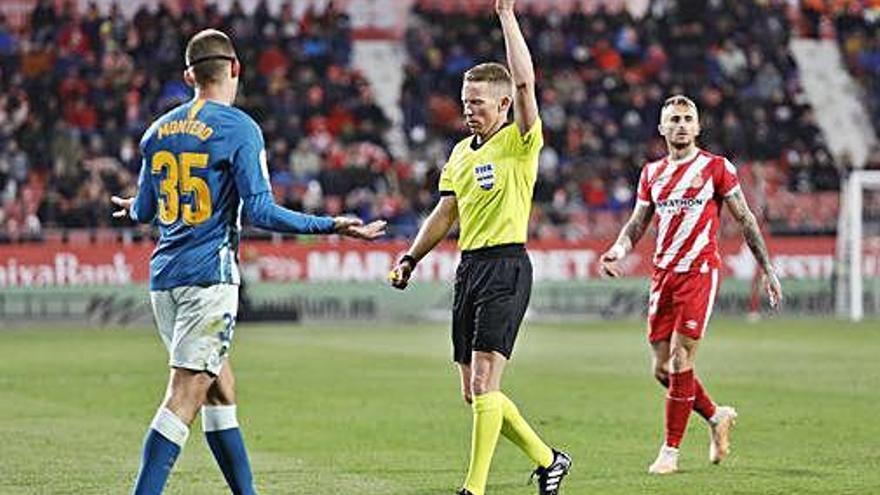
(492, 290)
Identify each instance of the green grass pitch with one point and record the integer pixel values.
(375, 409)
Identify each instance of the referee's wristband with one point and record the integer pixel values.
(409, 259)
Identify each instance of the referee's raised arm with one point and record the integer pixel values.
(519, 60)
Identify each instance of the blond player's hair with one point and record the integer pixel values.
(493, 73)
(679, 100)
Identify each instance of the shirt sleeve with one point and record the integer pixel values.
(145, 204)
(643, 194)
(445, 187)
(532, 141)
(726, 180)
(261, 211)
(249, 163)
(251, 171)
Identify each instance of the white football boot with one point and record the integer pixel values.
(666, 462)
(719, 431)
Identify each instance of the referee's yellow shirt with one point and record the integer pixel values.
(493, 186)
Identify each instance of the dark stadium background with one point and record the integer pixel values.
(345, 383)
(358, 101)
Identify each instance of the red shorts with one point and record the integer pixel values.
(680, 302)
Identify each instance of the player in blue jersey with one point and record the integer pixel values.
(204, 167)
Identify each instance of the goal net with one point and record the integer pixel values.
(858, 247)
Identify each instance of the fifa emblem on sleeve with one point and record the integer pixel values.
(485, 175)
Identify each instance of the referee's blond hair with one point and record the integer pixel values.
(493, 73)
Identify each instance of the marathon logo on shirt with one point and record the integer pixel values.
(679, 204)
(485, 175)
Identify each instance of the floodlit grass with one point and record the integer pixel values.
(375, 409)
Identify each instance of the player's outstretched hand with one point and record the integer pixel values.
(124, 205)
(773, 289)
(504, 5)
(609, 262)
(354, 227)
(399, 276)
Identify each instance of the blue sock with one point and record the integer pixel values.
(156, 463)
(228, 448)
(161, 448)
(226, 443)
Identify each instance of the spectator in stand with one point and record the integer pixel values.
(77, 88)
(856, 27)
(603, 74)
(74, 74)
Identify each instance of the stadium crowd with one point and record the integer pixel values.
(78, 88)
(856, 27)
(602, 78)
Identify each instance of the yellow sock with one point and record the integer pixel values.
(487, 425)
(518, 431)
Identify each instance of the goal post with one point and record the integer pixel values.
(858, 227)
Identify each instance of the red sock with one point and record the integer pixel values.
(702, 403)
(679, 403)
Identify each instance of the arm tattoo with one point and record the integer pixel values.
(736, 202)
(636, 226)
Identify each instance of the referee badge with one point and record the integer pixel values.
(485, 175)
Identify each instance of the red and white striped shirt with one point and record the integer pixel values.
(687, 196)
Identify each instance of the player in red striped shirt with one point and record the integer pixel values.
(687, 189)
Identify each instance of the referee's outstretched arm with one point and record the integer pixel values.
(519, 60)
(430, 234)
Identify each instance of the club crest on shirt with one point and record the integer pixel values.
(698, 182)
(485, 175)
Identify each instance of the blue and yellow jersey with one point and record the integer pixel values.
(204, 164)
(493, 186)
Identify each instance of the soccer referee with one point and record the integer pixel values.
(487, 184)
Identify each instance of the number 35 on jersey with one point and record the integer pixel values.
(183, 195)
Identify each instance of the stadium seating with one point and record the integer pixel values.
(856, 26)
(602, 78)
(78, 88)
